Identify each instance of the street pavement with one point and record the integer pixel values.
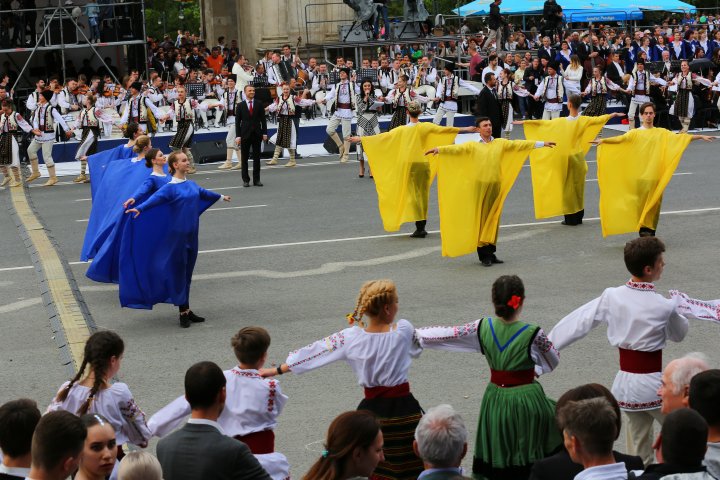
(291, 256)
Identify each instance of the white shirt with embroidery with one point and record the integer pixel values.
(637, 318)
(377, 359)
(115, 403)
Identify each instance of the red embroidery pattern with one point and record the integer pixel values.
(644, 286)
(640, 406)
(333, 342)
(272, 384)
(459, 331)
(240, 373)
(698, 303)
(543, 343)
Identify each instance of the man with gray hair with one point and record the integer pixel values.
(675, 386)
(441, 443)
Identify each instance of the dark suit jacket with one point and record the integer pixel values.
(201, 452)
(542, 53)
(444, 476)
(488, 106)
(247, 126)
(561, 467)
(582, 51)
(613, 74)
(5, 476)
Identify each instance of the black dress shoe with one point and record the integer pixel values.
(361, 176)
(495, 259)
(258, 184)
(246, 184)
(419, 234)
(195, 318)
(486, 262)
(185, 320)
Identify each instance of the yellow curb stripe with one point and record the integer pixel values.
(72, 320)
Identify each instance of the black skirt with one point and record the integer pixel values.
(399, 117)
(682, 103)
(96, 132)
(597, 106)
(6, 148)
(178, 141)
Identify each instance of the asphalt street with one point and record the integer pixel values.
(291, 256)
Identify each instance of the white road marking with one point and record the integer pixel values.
(84, 200)
(674, 175)
(388, 235)
(15, 306)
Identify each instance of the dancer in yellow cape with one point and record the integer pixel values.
(402, 173)
(558, 175)
(474, 178)
(633, 171)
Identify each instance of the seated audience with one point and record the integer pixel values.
(560, 466)
(200, 449)
(589, 431)
(676, 381)
(705, 399)
(140, 466)
(441, 443)
(684, 433)
(97, 460)
(56, 446)
(18, 419)
(353, 448)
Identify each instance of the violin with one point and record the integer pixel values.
(81, 90)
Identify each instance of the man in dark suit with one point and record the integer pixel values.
(250, 132)
(200, 449)
(546, 51)
(441, 442)
(487, 104)
(18, 419)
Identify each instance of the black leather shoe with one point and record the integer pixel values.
(258, 184)
(185, 320)
(246, 184)
(419, 234)
(486, 262)
(195, 318)
(495, 259)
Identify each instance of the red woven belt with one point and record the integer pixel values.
(259, 442)
(402, 390)
(512, 378)
(634, 361)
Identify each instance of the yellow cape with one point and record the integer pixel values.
(474, 179)
(633, 171)
(558, 174)
(402, 172)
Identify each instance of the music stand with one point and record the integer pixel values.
(195, 90)
(334, 77)
(368, 73)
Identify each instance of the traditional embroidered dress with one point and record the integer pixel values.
(551, 91)
(367, 121)
(633, 171)
(516, 426)
(684, 105)
(184, 117)
(598, 90)
(140, 110)
(399, 100)
(380, 362)
(505, 93)
(11, 128)
(252, 407)
(231, 100)
(89, 121)
(285, 107)
(449, 92)
(115, 403)
(639, 324)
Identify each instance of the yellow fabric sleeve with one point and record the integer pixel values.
(633, 171)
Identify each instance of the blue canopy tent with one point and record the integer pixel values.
(579, 10)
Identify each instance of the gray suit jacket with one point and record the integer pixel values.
(198, 452)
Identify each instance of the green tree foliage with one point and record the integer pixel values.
(161, 16)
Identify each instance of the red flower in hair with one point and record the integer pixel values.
(514, 302)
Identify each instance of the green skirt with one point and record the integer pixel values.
(516, 428)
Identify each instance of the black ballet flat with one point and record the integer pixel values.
(185, 320)
(361, 176)
(195, 318)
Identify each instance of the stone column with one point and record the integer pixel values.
(219, 18)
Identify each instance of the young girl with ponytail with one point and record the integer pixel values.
(517, 421)
(379, 352)
(92, 391)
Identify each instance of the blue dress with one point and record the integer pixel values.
(105, 266)
(159, 248)
(98, 164)
(121, 179)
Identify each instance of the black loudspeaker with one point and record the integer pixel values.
(330, 146)
(268, 149)
(108, 32)
(209, 152)
(124, 28)
(66, 26)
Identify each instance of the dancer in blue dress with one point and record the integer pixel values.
(98, 162)
(159, 246)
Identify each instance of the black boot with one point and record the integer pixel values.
(420, 229)
(647, 232)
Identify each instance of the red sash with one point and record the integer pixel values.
(634, 361)
(259, 442)
(402, 390)
(514, 378)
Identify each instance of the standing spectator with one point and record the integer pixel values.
(382, 10)
(684, 435)
(705, 398)
(488, 105)
(353, 448)
(200, 449)
(92, 10)
(675, 388)
(589, 429)
(215, 60)
(475, 60)
(441, 442)
(18, 419)
(496, 22)
(56, 446)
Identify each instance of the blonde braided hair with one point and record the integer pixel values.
(373, 296)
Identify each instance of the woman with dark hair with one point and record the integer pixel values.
(353, 448)
(516, 426)
(560, 466)
(99, 455)
(368, 109)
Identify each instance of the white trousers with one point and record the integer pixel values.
(442, 112)
(46, 147)
(346, 126)
(85, 146)
(640, 434)
(230, 137)
(426, 91)
(551, 114)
